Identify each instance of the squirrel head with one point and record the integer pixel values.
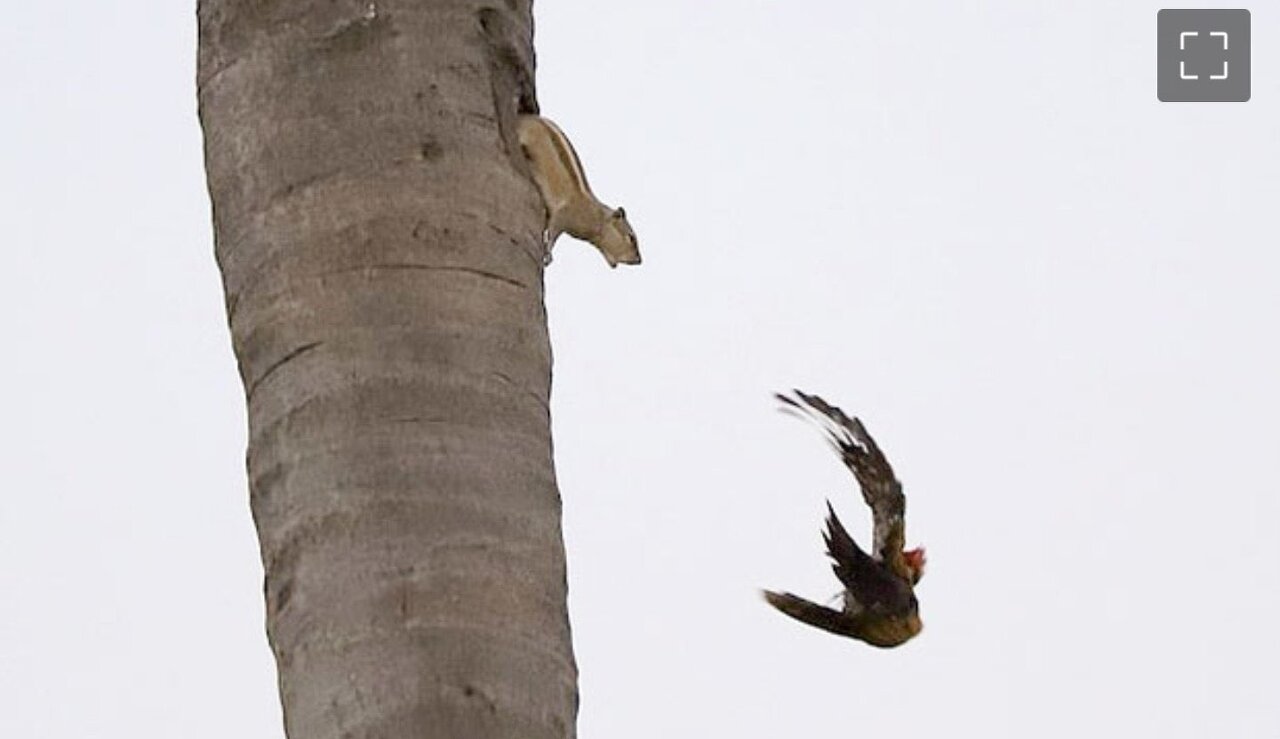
(618, 241)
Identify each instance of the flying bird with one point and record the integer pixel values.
(880, 606)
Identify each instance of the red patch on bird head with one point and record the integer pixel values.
(915, 561)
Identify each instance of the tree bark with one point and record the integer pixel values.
(380, 251)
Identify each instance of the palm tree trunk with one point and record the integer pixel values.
(380, 253)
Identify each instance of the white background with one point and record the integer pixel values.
(1052, 298)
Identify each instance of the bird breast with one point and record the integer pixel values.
(890, 632)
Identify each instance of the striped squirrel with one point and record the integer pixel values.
(571, 207)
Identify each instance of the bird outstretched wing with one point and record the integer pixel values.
(880, 487)
(806, 611)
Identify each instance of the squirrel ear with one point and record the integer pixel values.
(619, 213)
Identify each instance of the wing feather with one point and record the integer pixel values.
(880, 487)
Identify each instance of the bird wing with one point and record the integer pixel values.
(827, 619)
(880, 487)
(871, 583)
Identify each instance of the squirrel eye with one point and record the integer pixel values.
(619, 213)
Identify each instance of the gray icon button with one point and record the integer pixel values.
(1202, 56)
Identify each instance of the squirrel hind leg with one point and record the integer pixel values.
(547, 243)
(554, 227)
(549, 235)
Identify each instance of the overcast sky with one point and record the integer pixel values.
(1052, 298)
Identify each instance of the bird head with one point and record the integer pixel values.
(915, 563)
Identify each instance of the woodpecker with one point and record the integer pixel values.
(880, 606)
